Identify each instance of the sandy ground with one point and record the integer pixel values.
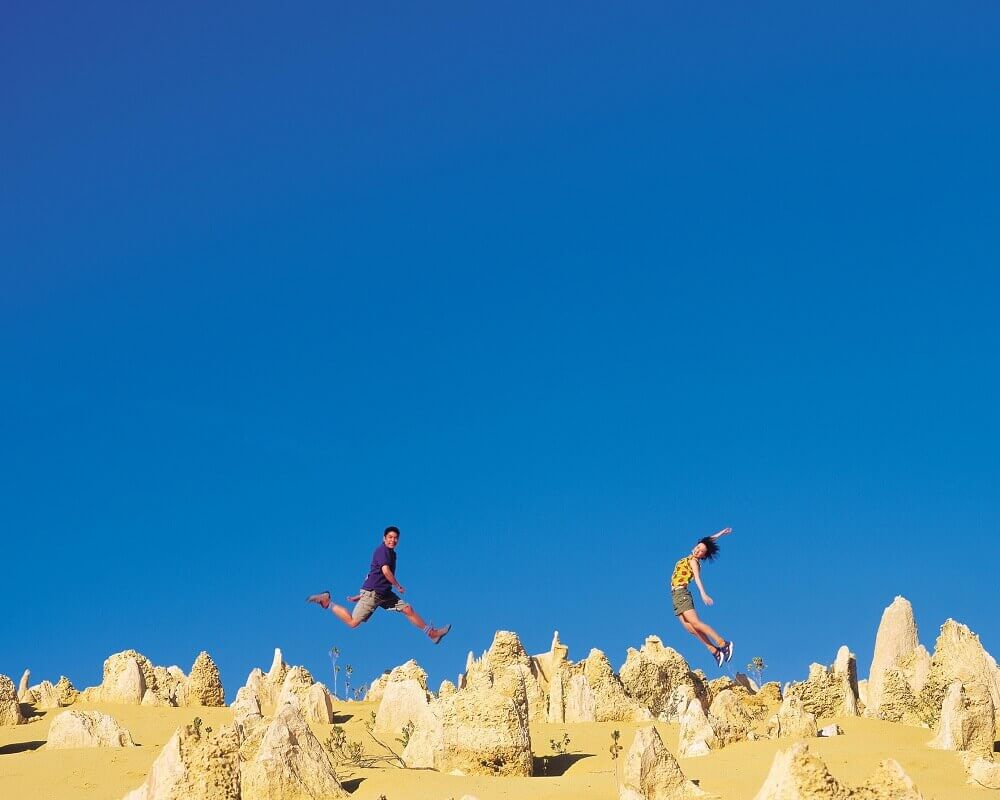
(28, 772)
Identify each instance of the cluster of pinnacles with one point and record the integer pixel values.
(481, 723)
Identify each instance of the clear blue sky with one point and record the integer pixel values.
(556, 288)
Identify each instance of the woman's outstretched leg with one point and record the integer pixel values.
(703, 630)
(698, 635)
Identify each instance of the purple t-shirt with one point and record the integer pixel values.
(376, 581)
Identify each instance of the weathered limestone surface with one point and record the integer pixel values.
(611, 703)
(204, 685)
(579, 702)
(697, 736)
(896, 638)
(411, 670)
(402, 702)
(290, 764)
(194, 765)
(651, 675)
(318, 704)
(792, 721)
(546, 665)
(65, 691)
(967, 720)
(829, 692)
(72, 729)
(23, 690)
(958, 656)
(10, 708)
(485, 732)
(650, 772)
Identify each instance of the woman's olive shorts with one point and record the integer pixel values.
(682, 600)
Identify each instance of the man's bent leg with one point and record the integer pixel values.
(342, 614)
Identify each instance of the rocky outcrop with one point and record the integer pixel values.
(507, 655)
(411, 670)
(195, 764)
(318, 704)
(72, 729)
(66, 692)
(44, 696)
(982, 770)
(578, 699)
(697, 736)
(897, 647)
(829, 692)
(652, 674)
(730, 718)
(967, 720)
(402, 702)
(792, 721)
(897, 702)
(23, 690)
(798, 774)
(650, 772)
(10, 708)
(204, 685)
(246, 707)
(611, 703)
(958, 656)
(290, 763)
(298, 681)
(124, 682)
(485, 732)
(546, 665)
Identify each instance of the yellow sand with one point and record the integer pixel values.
(28, 772)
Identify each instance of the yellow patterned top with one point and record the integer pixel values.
(683, 574)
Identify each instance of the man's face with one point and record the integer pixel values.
(391, 539)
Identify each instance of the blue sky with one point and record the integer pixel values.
(556, 289)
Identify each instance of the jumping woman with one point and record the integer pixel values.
(686, 570)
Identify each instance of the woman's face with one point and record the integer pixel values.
(699, 551)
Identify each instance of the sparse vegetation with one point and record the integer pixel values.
(615, 749)
(756, 668)
(560, 747)
(406, 733)
(334, 656)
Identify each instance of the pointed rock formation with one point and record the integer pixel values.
(652, 674)
(967, 720)
(318, 704)
(796, 774)
(411, 670)
(295, 687)
(730, 718)
(697, 736)
(204, 685)
(546, 665)
(44, 696)
(402, 702)
(611, 704)
(446, 688)
(485, 732)
(290, 763)
(578, 701)
(889, 782)
(792, 721)
(10, 708)
(246, 706)
(124, 684)
(66, 692)
(958, 656)
(195, 764)
(23, 690)
(896, 646)
(829, 692)
(650, 772)
(72, 729)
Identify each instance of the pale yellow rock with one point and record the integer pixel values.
(792, 721)
(546, 665)
(246, 707)
(10, 708)
(124, 683)
(729, 718)
(611, 703)
(204, 685)
(295, 687)
(290, 763)
(829, 692)
(650, 772)
(194, 765)
(318, 704)
(23, 688)
(151, 698)
(402, 702)
(889, 782)
(446, 688)
(411, 670)
(556, 711)
(171, 685)
(44, 695)
(958, 656)
(652, 674)
(485, 733)
(896, 638)
(982, 770)
(966, 721)
(119, 662)
(578, 700)
(697, 736)
(66, 691)
(898, 703)
(797, 774)
(72, 729)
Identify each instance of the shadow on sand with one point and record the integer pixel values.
(19, 747)
(557, 765)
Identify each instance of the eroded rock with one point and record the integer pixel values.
(72, 729)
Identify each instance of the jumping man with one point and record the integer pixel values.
(376, 592)
(686, 570)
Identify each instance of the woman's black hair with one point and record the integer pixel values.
(711, 546)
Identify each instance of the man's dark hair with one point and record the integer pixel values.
(390, 529)
(712, 548)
